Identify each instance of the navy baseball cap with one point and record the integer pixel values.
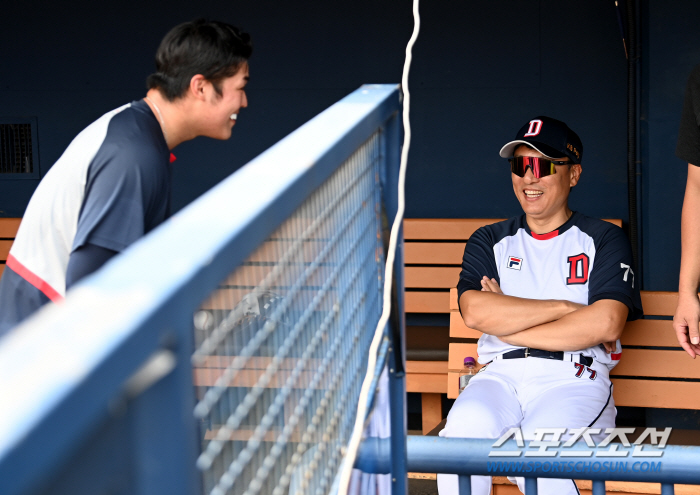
(549, 136)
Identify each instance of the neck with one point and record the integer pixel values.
(170, 116)
(545, 225)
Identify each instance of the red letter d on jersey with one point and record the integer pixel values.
(578, 269)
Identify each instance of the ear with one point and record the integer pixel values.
(574, 174)
(198, 87)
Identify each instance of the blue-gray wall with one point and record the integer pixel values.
(480, 71)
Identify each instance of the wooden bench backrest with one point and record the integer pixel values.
(651, 366)
(8, 230)
(433, 250)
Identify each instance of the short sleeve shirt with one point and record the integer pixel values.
(583, 261)
(688, 146)
(109, 188)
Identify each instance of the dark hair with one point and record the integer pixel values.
(213, 49)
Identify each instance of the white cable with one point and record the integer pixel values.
(358, 429)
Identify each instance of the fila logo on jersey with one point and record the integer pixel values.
(534, 129)
(578, 269)
(515, 263)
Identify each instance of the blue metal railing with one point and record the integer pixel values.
(98, 392)
(467, 457)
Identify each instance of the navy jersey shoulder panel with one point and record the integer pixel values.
(84, 261)
(127, 192)
(612, 276)
(18, 299)
(478, 259)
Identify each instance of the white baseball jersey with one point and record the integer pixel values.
(109, 188)
(583, 261)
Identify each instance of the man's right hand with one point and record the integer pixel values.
(685, 323)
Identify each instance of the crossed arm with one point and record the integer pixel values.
(551, 325)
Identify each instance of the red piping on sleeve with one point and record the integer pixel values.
(33, 279)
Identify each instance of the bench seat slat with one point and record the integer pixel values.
(429, 383)
(658, 333)
(656, 393)
(659, 303)
(433, 253)
(439, 367)
(5, 249)
(444, 228)
(656, 363)
(426, 302)
(426, 377)
(9, 226)
(421, 277)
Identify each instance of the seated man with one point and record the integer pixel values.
(551, 291)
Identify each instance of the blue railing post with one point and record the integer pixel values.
(598, 487)
(465, 485)
(530, 486)
(164, 432)
(397, 355)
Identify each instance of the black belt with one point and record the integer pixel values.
(539, 353)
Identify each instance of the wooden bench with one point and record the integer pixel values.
(8, 230)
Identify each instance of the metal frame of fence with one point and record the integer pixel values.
(467, 457)
(98, 391)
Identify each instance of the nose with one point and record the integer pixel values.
(244, 100)
(529, 177)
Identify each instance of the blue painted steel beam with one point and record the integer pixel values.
(679, 464)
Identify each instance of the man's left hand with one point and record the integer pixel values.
(490, 285)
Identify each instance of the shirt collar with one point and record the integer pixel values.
(549, 235)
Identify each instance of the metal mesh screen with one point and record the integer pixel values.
(16, 149)
(282, 343)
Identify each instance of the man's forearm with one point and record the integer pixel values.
(690, 236)
(685, 320)
(603, 321)
(498, 314)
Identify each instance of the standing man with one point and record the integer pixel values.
(551, 291)
(112, 184)
(685, 321)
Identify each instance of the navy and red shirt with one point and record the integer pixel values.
(583, 261)
(109, 188)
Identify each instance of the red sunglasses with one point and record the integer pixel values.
(541, 167)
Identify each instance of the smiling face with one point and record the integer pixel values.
(222, 109)
(545, 200)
